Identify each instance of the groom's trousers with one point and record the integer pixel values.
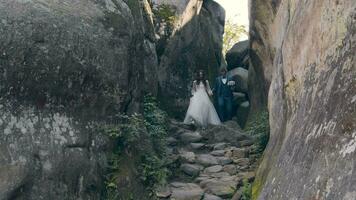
(225, 108)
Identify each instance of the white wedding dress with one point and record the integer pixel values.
(200, 109)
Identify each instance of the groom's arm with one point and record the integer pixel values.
(215, 86)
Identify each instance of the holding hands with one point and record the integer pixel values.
(231, 83)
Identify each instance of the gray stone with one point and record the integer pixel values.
(207, 160)
(189, 137)
(220, 146)
(222, 187)
(224, 160)
(211, 197)
(172, 141)
(231, 169)
(197, 146)
(229, 131)
(236, 153)
(218, 153)
(163, 192)
(213, 169)
(186, 191)
(219, 175)
(242, 162)
(187, 156)
(201, 178)
(191, 169)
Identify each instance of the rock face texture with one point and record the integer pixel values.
(261, 52)
(65, 65)
(308, 48)
(196, 43)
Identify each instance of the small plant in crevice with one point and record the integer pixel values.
(145, 135)
(258, 127)
(246, 190)
(154, 166)
(154, 172)
(125, 131)
(156, 124)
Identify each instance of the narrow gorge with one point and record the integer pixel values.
(93, 92)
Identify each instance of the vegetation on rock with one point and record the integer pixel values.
(258, 126)
(145, 135)
(233, 33)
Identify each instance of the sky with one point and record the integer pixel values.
(237, 11)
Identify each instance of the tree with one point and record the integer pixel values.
(233, 33)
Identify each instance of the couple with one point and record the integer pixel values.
(201, 110)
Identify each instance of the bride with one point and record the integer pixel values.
(201, 110)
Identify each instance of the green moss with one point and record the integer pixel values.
(256, 188)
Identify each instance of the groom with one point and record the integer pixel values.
(223, 94)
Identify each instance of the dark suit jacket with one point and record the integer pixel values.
(221, 89)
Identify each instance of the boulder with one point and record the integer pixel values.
(66, 68)
(240, 76)
(236, 56)
(242, 113)
(239, 98)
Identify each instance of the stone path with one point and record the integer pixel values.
(212, 163)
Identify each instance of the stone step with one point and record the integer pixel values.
(186, 191)
(189, 137)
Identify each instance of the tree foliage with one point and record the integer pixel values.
(233, 33)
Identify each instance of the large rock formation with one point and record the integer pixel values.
(237, 56)
(261, 52)
(64, 66)
(195, 44)
(308, 48)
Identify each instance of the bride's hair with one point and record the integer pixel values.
(200, 79)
